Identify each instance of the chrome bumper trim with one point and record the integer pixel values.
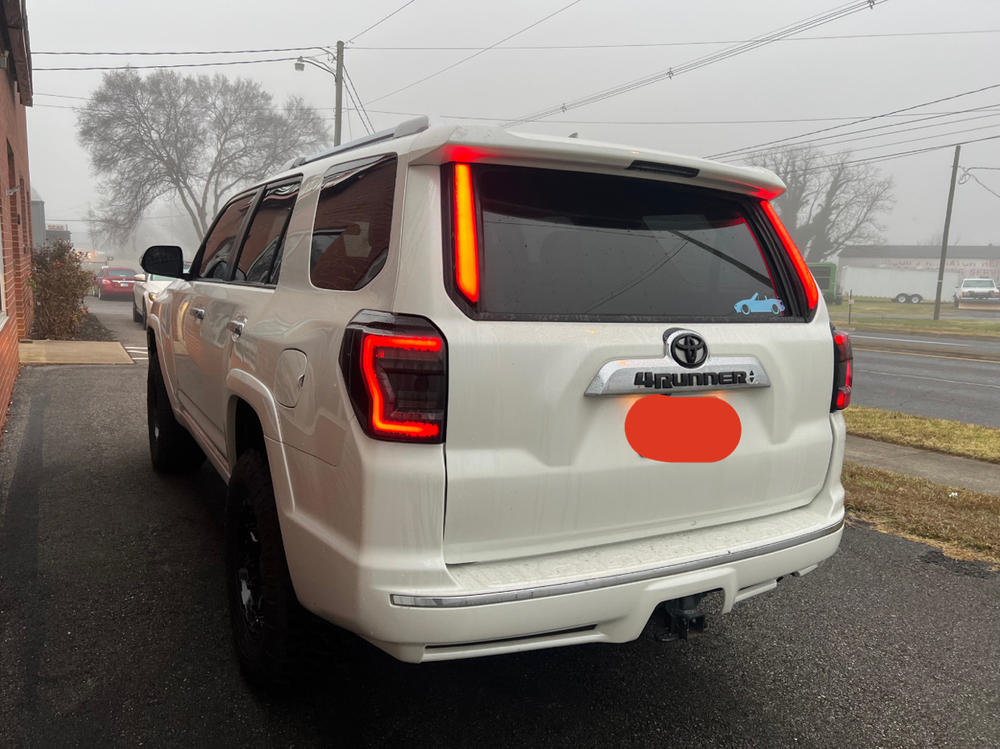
(579, 586)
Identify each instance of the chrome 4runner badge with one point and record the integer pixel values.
(687, 366)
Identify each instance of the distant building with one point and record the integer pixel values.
(37, 220)
(969, 261)
(16, 239)
(57, 231)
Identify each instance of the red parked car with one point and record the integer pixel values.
(114, 282)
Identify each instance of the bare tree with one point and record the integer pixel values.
(830, 202)
(190, 138)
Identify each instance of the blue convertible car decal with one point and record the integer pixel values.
(757, 303)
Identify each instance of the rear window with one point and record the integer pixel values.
(120, 272)
(978, 284)
(584, 246)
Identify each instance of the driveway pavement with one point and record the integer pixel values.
(113, 630)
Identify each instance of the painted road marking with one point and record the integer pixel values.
(909, 340)
(928, 356)
(932, 379)
(138, 353)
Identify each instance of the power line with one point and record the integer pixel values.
(760, 41)
(891, 129)
(543, 47)
(748, 149)
(517, 48)
(350, 96)
(183, 52)
(926, 137)
(980, 183)
(174, 65)
(358, 103)
(912, 152)
(381, 20)
(475, 54)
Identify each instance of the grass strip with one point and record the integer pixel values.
(985, 328)
(962, 523)
(883, 315)
(940, 435)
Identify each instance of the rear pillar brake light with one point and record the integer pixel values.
(843, 371)
(801, 269)
(466, 241)
(396, 376)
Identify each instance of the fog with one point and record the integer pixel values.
(895, 55)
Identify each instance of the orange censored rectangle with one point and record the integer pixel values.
(683, 430)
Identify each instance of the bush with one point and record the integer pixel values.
(59, 283)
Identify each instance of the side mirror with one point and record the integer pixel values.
(139, 277)
(163, 260)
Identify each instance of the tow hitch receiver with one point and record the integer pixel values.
(677, 619)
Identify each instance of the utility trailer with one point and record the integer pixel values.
(903, 286)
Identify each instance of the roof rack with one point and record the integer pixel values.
(408, 127)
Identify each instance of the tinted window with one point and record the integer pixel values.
(590, 246)
(219, 244)
(351, 232)
(263, 244)
(120, 272)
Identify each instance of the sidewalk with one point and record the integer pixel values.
(73, 352)
(949, 470)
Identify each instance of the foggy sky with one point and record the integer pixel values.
(797, 79)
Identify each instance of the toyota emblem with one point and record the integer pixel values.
(687, 348)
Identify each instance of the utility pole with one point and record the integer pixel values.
(944, 239)
(338, 112)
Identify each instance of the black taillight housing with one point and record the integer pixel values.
(843, 371)
(396, 371)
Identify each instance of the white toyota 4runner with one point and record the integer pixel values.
(476, 392)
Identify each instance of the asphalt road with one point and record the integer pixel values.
(946, 387)
(113, 629)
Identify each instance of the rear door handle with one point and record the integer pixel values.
(236, 328)
(198, 313)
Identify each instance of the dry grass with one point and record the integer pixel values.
(963, 524)
(940, 435)
(912, 318)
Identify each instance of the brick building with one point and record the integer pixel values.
(16, 307)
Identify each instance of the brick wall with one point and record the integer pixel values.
(15, 235)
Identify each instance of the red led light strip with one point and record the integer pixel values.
(466, 250)
(372, 348)
(805, 276)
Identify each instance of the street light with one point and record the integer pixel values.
(338, 75)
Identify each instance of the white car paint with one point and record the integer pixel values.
(534, 524)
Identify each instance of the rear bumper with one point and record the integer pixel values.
(116, 292)
(384, 576)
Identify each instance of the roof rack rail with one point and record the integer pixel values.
(408, 127)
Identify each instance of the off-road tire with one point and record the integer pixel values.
(171, 447)
(270, 627)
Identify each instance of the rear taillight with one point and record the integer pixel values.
(395, 367)
(843, 371)
(464, 233)
(801, 269)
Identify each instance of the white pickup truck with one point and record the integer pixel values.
(977, 289)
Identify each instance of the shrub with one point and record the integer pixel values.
(59, 283)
